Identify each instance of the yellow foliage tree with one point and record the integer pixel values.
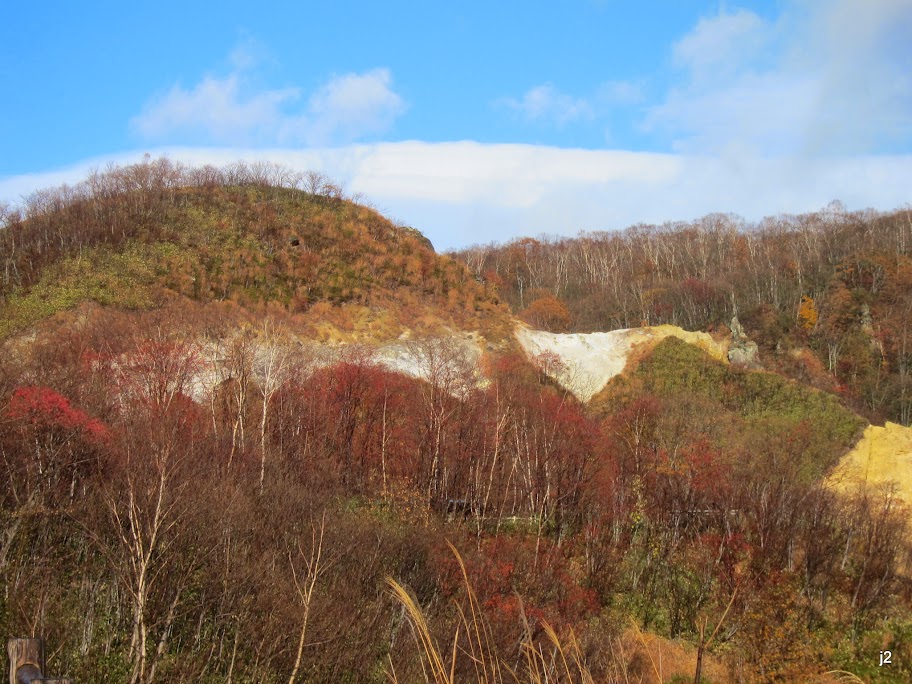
(807, 313)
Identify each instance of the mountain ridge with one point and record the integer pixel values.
(255, 236)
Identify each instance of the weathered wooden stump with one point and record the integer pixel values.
(26, 658)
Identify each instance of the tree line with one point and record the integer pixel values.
(160, 532)
(834, 281)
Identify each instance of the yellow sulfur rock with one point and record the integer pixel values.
(883, 455)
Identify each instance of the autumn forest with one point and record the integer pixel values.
(252, 431)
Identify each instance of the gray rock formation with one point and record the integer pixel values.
(742, 351)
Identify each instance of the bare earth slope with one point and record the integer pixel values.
(587, 361)
(882, 456)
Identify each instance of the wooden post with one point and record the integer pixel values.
(26, 658)
(24, 653)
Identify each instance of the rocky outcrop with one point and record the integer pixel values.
(583, 363)
(742, 351)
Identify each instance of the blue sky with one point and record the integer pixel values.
(479, 121)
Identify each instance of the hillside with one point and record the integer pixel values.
(136, 237)
(745, 414)
(234, 405)
(584, 362)
(827, 296)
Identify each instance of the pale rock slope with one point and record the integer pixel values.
(582, 363)
(587, 361)
(453, 360)
(882, 456)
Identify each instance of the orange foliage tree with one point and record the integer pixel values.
(548, 313)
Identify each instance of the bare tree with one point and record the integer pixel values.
(306, 585)
(447, 373)
(271, 364)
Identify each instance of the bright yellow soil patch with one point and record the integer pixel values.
(883, 455)
(657, 333)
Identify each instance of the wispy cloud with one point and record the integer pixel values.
(459, 193)
(827, 77)
(231, 110)
(546, 103)
(612, 93)
(722, 44)
(349, 107)
(215, 108)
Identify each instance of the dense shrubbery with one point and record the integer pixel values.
(191, 494)
(836, 282)
(156, 538)
(732, 404)
(257, 234)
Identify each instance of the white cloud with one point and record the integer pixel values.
(459, 193)
(352, 106)
(545, 103)
(229, 110)
(214, 107)
(724, 42)
(828, 77)
(619, 93)
(865, 73)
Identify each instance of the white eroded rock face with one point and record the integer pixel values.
(587, 361)
(452, 362)
(581, 362)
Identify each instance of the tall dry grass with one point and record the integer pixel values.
(472, 656)
(557, 661)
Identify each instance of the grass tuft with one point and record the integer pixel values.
(472, 648)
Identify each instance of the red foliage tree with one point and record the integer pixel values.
(45, 408)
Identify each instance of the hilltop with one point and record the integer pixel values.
(257, 236)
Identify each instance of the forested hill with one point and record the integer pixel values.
(136, 236)
(204, 478)
(827, 296)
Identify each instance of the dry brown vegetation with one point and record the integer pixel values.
(256, 235)
(834, 283)
(158, 529)
(246, 535)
